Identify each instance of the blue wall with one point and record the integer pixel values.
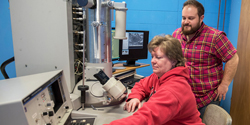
(232, 34)
(156, 16)
(164, 16)
(6, 45)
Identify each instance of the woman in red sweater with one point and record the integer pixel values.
(170, 98)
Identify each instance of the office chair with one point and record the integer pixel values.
(215, 115)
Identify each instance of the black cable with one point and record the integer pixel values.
(4, 64)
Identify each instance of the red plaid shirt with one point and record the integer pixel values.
(204, 55)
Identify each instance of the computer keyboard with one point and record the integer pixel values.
(134, 80)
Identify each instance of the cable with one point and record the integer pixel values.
(78, 64)
(4, 64)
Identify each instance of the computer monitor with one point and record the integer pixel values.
(134, 47)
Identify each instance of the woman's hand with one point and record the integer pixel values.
(131, 105)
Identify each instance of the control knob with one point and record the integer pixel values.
(51, 113)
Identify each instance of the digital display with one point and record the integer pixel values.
(135, 40)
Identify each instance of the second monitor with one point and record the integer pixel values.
(134, 47)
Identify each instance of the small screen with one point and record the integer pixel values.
(55, 95)
(134, 41)
(115, 46)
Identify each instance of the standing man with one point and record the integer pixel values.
(205, 49)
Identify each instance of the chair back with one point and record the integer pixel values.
(215, 115)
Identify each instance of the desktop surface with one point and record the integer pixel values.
(128, 68)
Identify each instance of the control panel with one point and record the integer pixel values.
(47, 107)
(39, 99)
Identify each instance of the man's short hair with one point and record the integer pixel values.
(196, 4)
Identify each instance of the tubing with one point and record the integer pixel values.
(4, 64)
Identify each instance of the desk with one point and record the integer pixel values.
(103, 115)
(128, 74)
(109, 113)
(128, 68)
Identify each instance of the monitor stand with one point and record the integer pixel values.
(130, 63)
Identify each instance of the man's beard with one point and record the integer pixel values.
(192, 30)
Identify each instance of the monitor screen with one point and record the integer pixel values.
(134, 47)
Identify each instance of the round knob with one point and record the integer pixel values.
(83, 89)
(48, 104)
(45, 113)
(66, 107)
(51, 113)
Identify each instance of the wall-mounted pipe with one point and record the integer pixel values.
(224, 15)
(218, 22)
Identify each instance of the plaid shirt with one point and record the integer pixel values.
(204, 54)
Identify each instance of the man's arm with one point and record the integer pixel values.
(229, 73)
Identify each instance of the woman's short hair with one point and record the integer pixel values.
(170, 46)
